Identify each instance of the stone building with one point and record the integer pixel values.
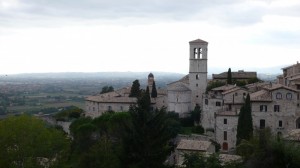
(192, 146)
(119, 100)
(273, 105)
(276, 107)
(184, 94)
(221, 107)
(180, 96)
(290, 76)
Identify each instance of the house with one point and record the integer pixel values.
(276, 107)
(290, 76)
(192, 146)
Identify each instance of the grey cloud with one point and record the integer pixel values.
(225, 12)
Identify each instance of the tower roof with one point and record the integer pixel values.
(198, 41)
(150, 75)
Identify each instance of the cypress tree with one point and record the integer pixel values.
(135, 89)
(245, 125)
(146, 139)
(154, 91)
(229, 76)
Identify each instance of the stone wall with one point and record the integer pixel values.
(230, 126)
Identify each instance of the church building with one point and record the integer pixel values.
(180, 96)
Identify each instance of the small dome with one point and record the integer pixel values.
(150, 75)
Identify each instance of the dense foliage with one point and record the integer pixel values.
(229, 77)
(107, 89)
(135, 89)
(201, 160)
(154, 90)
(68, 113)
(196, 114)
(147, 138)
(138, 138)
(245, 125)
(26, 141)
(266, 150)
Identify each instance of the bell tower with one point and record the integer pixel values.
(197, 71)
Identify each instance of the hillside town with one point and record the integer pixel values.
(275, 105)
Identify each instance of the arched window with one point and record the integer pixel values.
(195, 53)
(278, 95)
(289, 96)
(200, 53)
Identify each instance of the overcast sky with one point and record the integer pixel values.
(146, 35)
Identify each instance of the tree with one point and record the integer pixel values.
(154, 91)
(245, 125)
(107, 89)
(196, 114)
(26, 141)
(212, 85)
(135, 89)
(145, 139)
(98, 142)
(267, 150)
(229, 76)
(102, 154)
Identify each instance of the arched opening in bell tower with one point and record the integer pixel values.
(200, 53)
(195, 53)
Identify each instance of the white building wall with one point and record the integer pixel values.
(179, 102)
(96, 109)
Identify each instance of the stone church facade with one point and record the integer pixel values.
(180, 96)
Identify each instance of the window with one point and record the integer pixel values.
(278, 96)
(206, 101)
(197, 85)
(197, 96)
(195, 53)
(262, 124)
(244, 94)
(289, 96)
(121, 108)
(225, 120)
(218, 103)
(263, 108)
(225, 135)
(109, 108)
(279, 123)
(197, 76)
(298, 87)
(236, 94)
(200, 53)
(276, 108)
(93, 108)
